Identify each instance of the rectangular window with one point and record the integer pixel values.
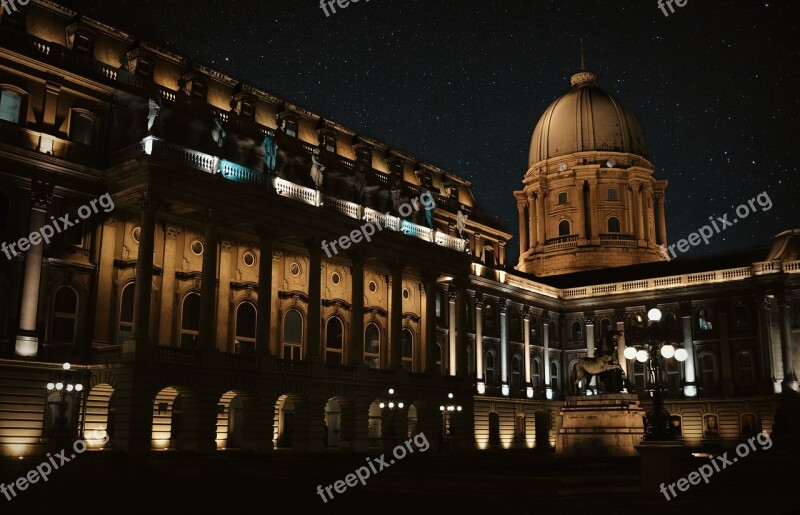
(612, 194)
(562, 198)
(330, 144)
(83, 44)
(10, 106)
(198, 90)
(291, 128)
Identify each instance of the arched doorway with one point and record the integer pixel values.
(542, 427)
(231, 420)
(333, 423)
(285, 424)
(98, 416)
(494, 430)
(413, 422)
(375, 428)
(169, 417)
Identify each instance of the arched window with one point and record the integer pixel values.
(488, 256)
(613, 224)
(126, 313)
(190, 320)
(516, 326)
(334, 341)
(708, 369)
(488, 318)
(576, 331)
(438, 350)
(11, 103)
(554, 375)
(65, 316)
(5, 210)
(438, 304)
(704, 320)
(741, 317)
(745, 368)
(408, 350)
(534, 328)
(372, 346)
(516, 373)
(551, 328)
(605, 327)
(246, 329)
(489, 369)
(292, 335)
(536, 368)
(563, 228)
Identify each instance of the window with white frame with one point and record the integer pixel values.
(125, 325)
(334, 341)
(190, 320)
(554, 375)
(489, 368)
(81, 127)
(372, 345)
(292, 335)
(245, 338)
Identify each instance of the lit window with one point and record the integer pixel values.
(10, 106)
(81, 127)
(292, 335)
(65, 316)
(563, 228)
(126, 314)
(334, 341)
(704, 320)
(614, 225)
(408, 350)
(612, 194)
(372, 346)
(562, 198)
(190, 321)
(245, 329)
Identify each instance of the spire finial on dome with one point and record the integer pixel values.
(584, 77)
(583, 61)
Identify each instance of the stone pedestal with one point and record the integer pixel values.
(600, 425)
(661, 464)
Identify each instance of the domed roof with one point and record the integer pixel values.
(586, 118)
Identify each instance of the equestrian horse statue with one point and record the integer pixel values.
(604, 362)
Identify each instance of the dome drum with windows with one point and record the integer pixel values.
(589, 199)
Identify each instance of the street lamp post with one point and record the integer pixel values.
(65, 383)
(653, 350)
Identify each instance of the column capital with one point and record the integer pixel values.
(171, 230)
(620, 315)
(526, 313)
(763, 300)
(265, 231)
(357, 256)
(147, 201)
(784, 302)
(589, 318)
(546, 318)
(452, 292)
(41, 195)
(479, 300)
(503, 306)
(686, 309)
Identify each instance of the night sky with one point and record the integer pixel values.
(461, 84)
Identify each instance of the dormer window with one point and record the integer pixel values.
(144, 68)
(247, 109)
(290, 127)
(198, 90)
(330, 144)
(140, 62)
(242, 103)
(80, 39)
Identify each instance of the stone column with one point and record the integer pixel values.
(649, 232)
(313, 322)
(789, 378)
(165, 332)
(526, 327)
(208, 283)
(619, 320)
(142, 295)
(541, 226)
(225, 316)
(768, 382)
(396, 316)
(355, 354)
(27, 343)
(451, 329)
(501, 246)
(580, 220)
(589, 318)
(726, 360)
(105, 331)
(523, 229)
(594, 222)
(533, 241)
(429, 281)
(504, 346)
(662, 221)
(637, 213)
(546, 355)
(479, 342)
(266, 245)
(461, 327)
(689, 377)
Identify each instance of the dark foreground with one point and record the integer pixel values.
(481, 482)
